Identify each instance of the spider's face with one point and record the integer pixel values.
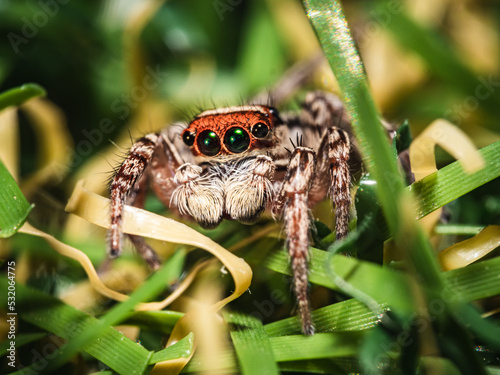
(231, 131)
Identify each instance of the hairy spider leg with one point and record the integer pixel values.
(294, 197)
(137, 198)
(152, 159)
(338, 154)
(125, 179)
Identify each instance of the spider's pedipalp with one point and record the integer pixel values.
(249, 189)
(200, 196)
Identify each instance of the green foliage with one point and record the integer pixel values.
(14, 208)
(374, 318)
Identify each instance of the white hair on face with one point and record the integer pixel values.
(227, 110)
(249, 188)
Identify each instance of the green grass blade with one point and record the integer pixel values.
(65, 321)
(321, 345)
(335, 366)
(349, 315)
(181, 349)
(19, 95)
(14, 208)
(333, 33)
(451, 182)
(226, 363)
(252, 345)
(296, 348)
(92, 337)
(163, 321)
(476, 281)
(471, 283)
(157, 282)
(364, 276)
(458, 229)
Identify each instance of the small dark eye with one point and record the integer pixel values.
(260, 130)
(208, 142)
(188, 138)
(236, 140)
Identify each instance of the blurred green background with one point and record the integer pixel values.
(132, 66)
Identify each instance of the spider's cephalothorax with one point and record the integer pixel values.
(234, 163)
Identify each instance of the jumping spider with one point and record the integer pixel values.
(234, 163)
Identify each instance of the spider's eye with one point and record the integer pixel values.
(260, 130)
(274, 111)
(236, 140)
(209, 143)
(188, 138)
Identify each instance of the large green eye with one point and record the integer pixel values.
(237, 140)
(208, 143)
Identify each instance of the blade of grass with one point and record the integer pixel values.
(252, 345)
(471, 283)
(451, 182)
(321, 345)
(331, 27)
(65, 321)
(365, 276)
(14, 208)
(93, 333)
(458, 229)
(163, 321)
(349, 315)
(336, 366)
(165, 275)
(446, 185)
(18, 95)
(476, 281)
(296, 348)
(181, 349)
(226, 363)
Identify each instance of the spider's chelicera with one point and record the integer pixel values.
(234, 163)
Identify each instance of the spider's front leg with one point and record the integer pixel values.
(293, 201)
(123, 184)
(152, 159)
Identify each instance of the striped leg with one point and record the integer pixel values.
(129, 173)
(137, 198)
(338, 155)
(294, 195)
